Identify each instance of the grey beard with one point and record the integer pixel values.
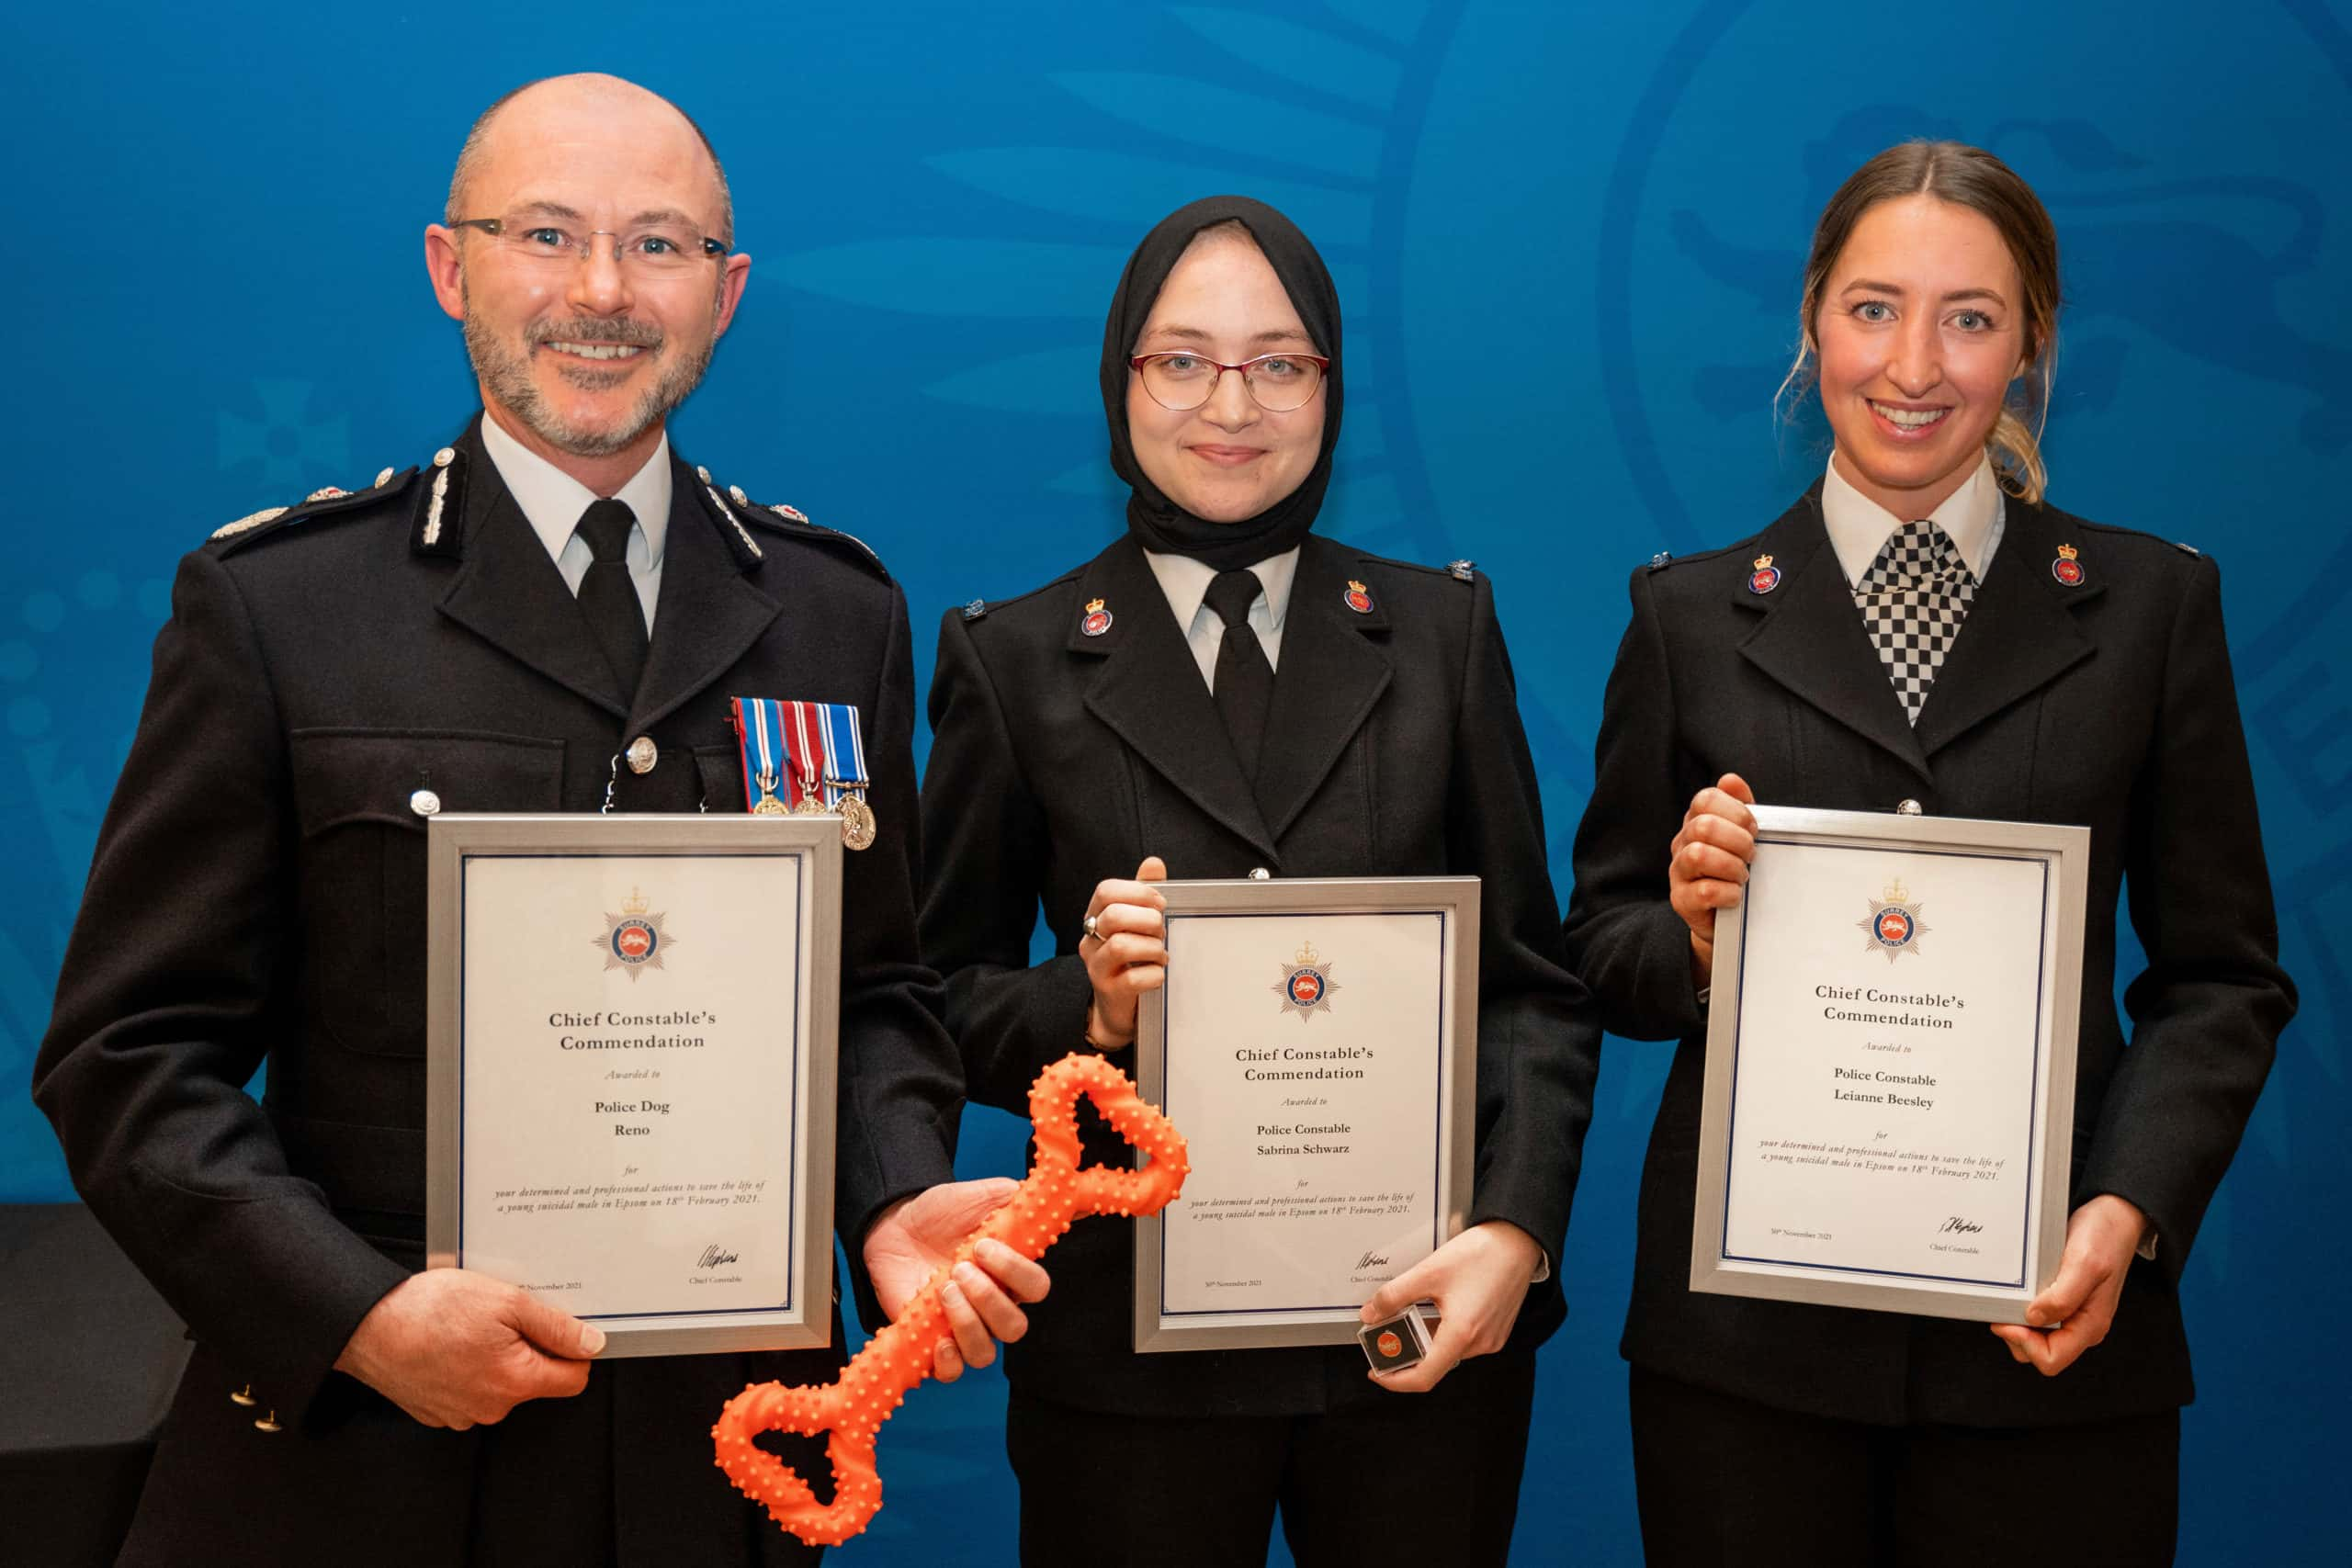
(506, 376)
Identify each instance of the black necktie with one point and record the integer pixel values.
(1245, 682)
(608, 596)
(1913, 600)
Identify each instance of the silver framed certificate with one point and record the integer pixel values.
(1889, 1111)
(1317, 1043)
(630, 1072)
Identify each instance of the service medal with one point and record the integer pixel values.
(858, 826)
(768, 805)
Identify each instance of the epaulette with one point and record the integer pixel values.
(979, 609)
(778, 518)
(2088, 526)
(1460, 570)
(325, 502)
(1664, 558)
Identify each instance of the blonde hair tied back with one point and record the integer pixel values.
(1971, 177)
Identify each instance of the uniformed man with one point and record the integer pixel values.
(551, 614)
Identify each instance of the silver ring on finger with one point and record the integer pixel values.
(1092, 930)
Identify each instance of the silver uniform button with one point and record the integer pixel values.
(424, 803)
(642, 754)
(1907, 808)
(1260, 873)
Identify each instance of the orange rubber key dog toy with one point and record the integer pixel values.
(875, 1382)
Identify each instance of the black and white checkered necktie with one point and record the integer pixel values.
(1913, 600)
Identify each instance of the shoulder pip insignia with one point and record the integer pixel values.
(1357, 598)
(740, 498)
(251, 520)
(1464, 570)
(383, 479)
(1658, 561)
(1765, 578)
(792, 512)
(2185, 548)
(2067, 569)
(325, 493)
(976, 609)
(1098, 619)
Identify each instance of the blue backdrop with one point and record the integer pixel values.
(221, 298)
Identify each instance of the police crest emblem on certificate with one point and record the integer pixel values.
(633, 940)
(1306, 985)
(1894, 925)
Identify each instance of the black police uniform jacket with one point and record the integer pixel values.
(2108, 703)
(258, 895)
(1392, 749)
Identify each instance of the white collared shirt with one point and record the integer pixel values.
(1973, 516)
(552, 502)
(1186, 583)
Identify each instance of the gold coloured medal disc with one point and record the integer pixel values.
(857, 822)
(769, 805)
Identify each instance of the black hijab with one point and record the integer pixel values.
(1158, 522)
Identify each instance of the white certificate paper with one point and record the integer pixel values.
(1890, 1065)
(633, 1049)
(1310, 1044)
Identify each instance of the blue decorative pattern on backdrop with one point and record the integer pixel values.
(1567, 238)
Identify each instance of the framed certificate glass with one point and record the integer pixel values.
(630, 1070)
(1317, 1041)
(1890, 1088)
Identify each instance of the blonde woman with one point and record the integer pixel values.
(1923, 626)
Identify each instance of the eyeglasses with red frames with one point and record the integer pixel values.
(1181, 380)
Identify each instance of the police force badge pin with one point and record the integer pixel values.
(633, 940)
(1306, 983)
(1894, 925)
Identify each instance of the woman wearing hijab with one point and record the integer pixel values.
(1922, 631)
(1221, 694)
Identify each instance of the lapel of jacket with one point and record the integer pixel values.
(1811, 638)
(509, 593)
(1329, 679)
(1149, 691)
(710, 612)
(2021, 633)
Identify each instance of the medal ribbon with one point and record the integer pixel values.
(844, 747)
(804, 737)
(759, 729)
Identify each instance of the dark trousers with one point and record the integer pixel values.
(1726, 1483)
(1397, 1478)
